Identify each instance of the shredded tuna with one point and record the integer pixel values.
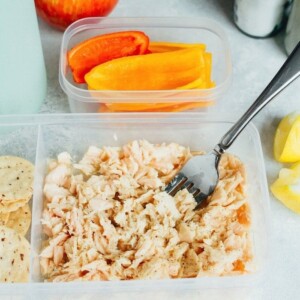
(107, 217)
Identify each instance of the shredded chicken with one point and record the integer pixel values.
(108, 218)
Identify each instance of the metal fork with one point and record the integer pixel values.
(200, 174)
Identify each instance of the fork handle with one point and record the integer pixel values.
(289, 71)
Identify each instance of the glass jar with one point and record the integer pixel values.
(22, 74)
(259, 18)
(292, 35)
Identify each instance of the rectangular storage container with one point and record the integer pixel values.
(179, 30)
(40, 137)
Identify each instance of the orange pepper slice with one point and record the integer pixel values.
(201, 81)
(185, 106)
(156, 107)
(156, 71)
(158, 47)
(137, 106)
(100, 49)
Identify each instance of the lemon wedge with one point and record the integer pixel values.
(287, 187)
(296, 167)
(287, 139)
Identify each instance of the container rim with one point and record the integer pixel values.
(159, 22)
(141, 117)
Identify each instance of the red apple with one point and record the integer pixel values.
(61, 13)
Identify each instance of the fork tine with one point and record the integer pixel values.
(176, 183)
(201, 201)
(194, 191)
(187, 185)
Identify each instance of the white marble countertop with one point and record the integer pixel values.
(255, 61)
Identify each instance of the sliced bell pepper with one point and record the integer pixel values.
(138, 106)
(156, 71)
(158, 47)
(152, 107)
(189, 105)
(208, 68)
(100, 49)
(199, 83)
(204, 81)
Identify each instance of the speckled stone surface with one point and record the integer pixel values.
(255, 61)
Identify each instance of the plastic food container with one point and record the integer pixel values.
(184, 30)
(39, 137)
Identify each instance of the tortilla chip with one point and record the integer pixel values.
(14, 256)
(3, 218)
(20, 220)
(12, 206)
(16, 179)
